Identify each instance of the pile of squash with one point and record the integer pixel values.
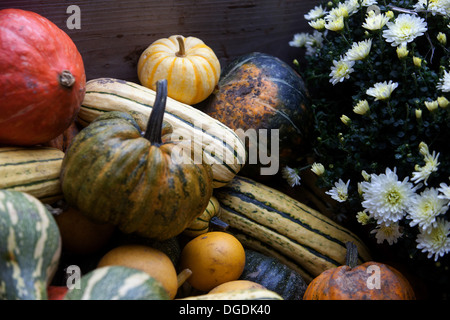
(111, 189)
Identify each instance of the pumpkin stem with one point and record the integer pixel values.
(351, 258)
(155, 121)
(182, 51)
(183, 276)
(217, 224)
(66, 79)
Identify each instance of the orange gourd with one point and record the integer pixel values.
(368, 281)
(214, 258)
(150, 260)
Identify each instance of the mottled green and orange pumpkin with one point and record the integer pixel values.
(258, 91)
(140, 182)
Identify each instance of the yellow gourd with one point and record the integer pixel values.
(191, 68)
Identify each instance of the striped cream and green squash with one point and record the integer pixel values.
(207, 220)
(269, 221)
(30, 247)
(34, 170)
(117, 283)
(241, 294)
(220, 146)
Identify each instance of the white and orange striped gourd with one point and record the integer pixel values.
(191, 68)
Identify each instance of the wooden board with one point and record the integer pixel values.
(113, 34)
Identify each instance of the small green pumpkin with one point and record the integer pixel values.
(142, 183)
(30, 247)
(273, 275)
(117, 283)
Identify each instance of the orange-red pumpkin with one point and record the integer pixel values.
(368, 281)
(42, 79)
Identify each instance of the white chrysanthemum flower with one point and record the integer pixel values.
(437, 241)
(424, 172)
(359, 50)
(404, 29)
(291, 175)
(299, 40)
(315, 13)
(386, 198)
(340, 191)
(375, 21)
(444, 82)
(367, 3)
(390, 233)
(352, 6)
(382, 90)
(444, 190)
(434, 6)
(424, 209)
(362, 107)
(341, 70)
(341, 11)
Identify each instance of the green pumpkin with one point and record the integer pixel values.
(30, 247)
(141, 182)
(117, 283)
(258, 91)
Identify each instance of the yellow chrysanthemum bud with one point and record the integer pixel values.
(365, 175)
(390, 14)
(442, 38)
(442, 102)
(318, 168)
(361, 107)
(345, 120)
(417, 62)
(362, 217)
(418, 113)
(402, 52)
(431, 105)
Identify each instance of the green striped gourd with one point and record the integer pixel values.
(30, 247)
(267, 220)
(34, 170)
(117, 283)
(221, 146)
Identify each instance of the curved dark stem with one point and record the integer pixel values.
(351, 258)
(155, 121)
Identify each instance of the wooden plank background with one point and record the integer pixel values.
(113, 34)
